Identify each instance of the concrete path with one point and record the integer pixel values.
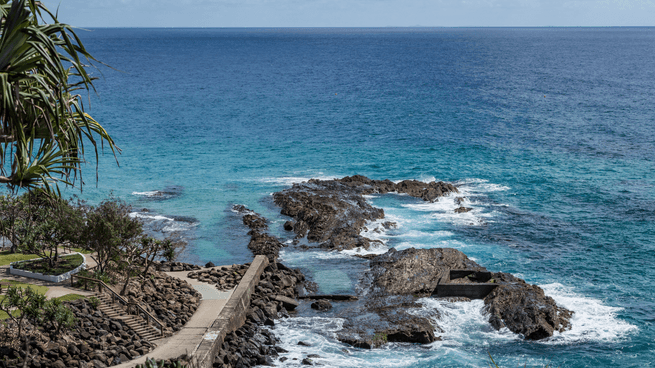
(186, 340)
(55, 289)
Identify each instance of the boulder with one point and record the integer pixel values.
(415, 271)
(287, 302)
(321, 305)
(525, 309)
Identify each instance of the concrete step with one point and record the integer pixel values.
(111, 310)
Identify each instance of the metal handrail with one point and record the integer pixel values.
(115, 296)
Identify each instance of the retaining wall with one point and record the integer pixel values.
(51, 278)
(231, 317)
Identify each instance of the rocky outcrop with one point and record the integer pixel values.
(426, 191)
(261, 243)
(95, 341)
(333, 213)
(389, 311)
(515, 304)
(175, 266)
(225, 278)
(171, 300)
(415, 271)
(321, 305)
(378, 320)
(525, 309)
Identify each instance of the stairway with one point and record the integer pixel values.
(138, 324)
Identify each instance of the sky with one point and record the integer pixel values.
(353, 13)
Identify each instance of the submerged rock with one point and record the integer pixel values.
(321, 305)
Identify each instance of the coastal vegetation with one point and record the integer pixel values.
(43, 123)
(41, 266)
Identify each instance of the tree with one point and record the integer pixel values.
(12, 211)
(155, 248)
(110, 230)
(22, 304)
(137, 257)
(43, 123)
(57, 314)
(47, 222)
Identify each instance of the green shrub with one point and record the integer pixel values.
(95, 302)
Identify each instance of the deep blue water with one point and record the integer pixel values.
(549, 131)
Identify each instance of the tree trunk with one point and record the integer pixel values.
(14, 241)
(127, 281)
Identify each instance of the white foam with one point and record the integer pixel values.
(424, 234)
(443, 210)
(290, 180)
(592, 320)
(446, 243)
(152, 193)
(463, 323)
(295, 257)
(178, 226)
(246, 212)
(150, 217)
(168, 225)
(381, 249)
(479, 186)
(320, 333)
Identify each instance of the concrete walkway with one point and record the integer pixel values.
(185, 341)
(203, 333)
(55, 289)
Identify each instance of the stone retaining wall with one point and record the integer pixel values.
(231, 317)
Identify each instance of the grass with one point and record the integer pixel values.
(70, 297)
(4, 315)
(39, 289)
(6, 257)
(82, 250)
(64, 265)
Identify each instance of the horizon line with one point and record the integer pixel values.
(351, 27)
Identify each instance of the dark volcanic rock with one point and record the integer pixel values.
(525, 309)
(321, 305)
(462, 209)
(288, 226)
(255, 222)
(333, 212)
(260, 243)
(264, 244)
(415, 271)
(225, 278)
(328, 212)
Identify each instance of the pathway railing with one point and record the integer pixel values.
(116, 297)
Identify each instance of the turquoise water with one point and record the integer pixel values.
(548, 131)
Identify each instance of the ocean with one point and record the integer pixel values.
(549, 133)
